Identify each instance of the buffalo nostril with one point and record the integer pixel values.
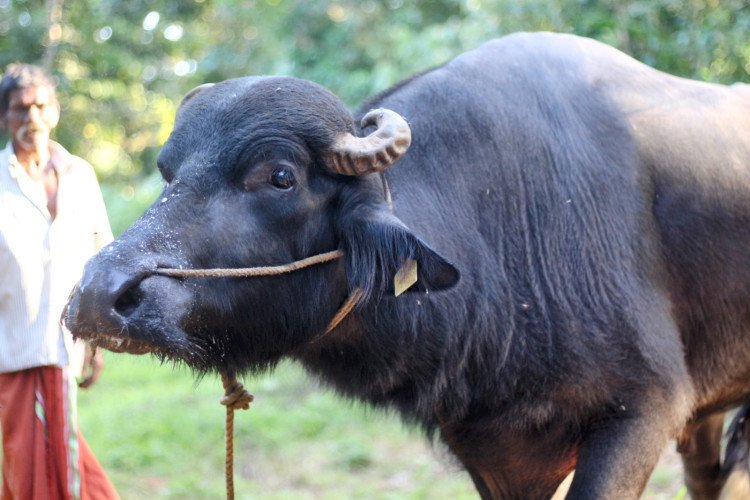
(128, 302)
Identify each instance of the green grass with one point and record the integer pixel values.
(160, 434)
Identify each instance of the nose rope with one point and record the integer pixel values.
(247, 272)
(235, 395)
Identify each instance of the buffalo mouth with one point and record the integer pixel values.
(119, 344)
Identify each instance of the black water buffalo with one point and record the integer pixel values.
(581, 228)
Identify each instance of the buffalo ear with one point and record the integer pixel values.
(435, 272)
(377, 244)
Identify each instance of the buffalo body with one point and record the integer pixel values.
(581, 226)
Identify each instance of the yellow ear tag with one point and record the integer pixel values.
(405, 277)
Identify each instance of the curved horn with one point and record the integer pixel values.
(195, 91)
(352, 155)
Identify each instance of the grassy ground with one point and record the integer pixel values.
(159, 434)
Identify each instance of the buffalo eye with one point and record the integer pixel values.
(282, 178)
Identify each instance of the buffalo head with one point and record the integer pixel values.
(258, 172)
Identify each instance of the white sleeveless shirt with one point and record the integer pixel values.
(42, 259)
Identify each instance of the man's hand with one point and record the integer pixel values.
(93, 364)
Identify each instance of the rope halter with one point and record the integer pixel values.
(235, 395)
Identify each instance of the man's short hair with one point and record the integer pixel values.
(22, 76)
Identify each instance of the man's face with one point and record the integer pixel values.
(32, 114)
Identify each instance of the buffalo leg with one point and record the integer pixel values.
(617, 458)
(700, 449)
(480, 485)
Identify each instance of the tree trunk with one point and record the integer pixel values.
(54, 32)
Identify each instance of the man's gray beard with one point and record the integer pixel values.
(29, 142)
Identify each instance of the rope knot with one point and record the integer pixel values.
(236, 396)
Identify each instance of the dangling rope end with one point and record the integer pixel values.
(235, 398)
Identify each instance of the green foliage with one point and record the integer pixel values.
(123, 66)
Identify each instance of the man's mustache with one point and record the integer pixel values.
(25, 130)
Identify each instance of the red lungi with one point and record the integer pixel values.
(44, 454)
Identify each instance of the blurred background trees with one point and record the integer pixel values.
(123, 66)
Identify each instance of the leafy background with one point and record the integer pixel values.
(123, 67)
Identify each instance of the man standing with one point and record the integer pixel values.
(52, 219)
